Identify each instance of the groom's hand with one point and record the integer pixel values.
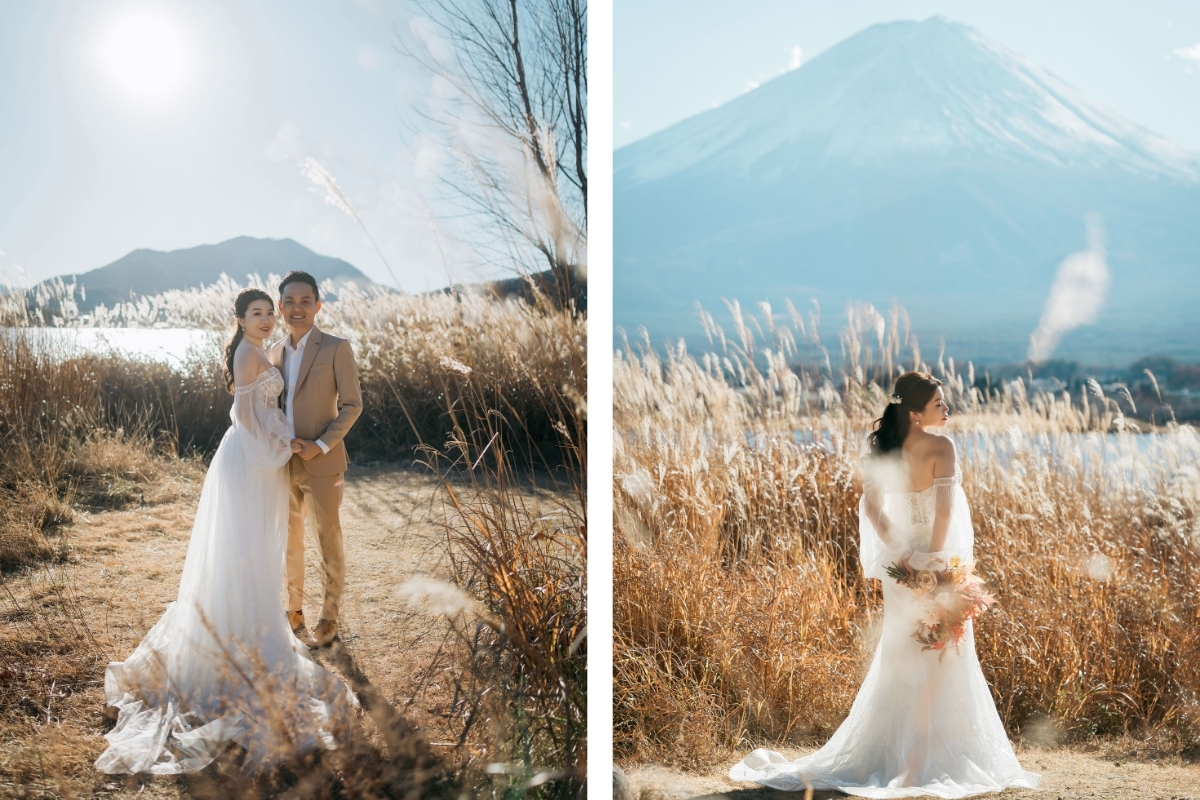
(308, 449)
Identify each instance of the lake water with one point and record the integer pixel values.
(1141, 458)
(169, 345)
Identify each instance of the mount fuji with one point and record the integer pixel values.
(921, 162)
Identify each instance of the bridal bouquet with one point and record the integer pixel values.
(951, 595)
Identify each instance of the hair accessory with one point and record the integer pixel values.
(895, 400)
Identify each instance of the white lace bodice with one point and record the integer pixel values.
(920, 506)
(269, 384)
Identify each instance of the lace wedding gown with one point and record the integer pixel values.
(919, 726)
(222, 663)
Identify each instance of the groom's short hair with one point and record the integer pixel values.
(299, 276)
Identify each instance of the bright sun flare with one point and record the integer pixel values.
(145, 56)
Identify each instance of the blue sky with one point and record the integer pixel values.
(99, 161)
(676, 58)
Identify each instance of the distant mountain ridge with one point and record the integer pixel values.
(918, 161)
(147, 272)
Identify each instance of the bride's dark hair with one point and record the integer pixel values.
(911, 393)
(244, 299)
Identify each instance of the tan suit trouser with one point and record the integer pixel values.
(322, 494)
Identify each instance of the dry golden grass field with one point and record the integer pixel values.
(741, 617)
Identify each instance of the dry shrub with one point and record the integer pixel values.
(435, 368)
(740, 611)
(61, 445)
(521, 677)
(112, 469)
(50, 650)
(30, 512)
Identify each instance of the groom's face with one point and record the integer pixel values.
(298, 306)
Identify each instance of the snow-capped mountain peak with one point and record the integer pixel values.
(900, 91)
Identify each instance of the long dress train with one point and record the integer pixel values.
(222, 665)
(919, 725)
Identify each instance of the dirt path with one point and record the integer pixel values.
(1067, 774)
(125, 569)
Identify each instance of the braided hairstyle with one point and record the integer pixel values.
(912, 392)
(244, 299)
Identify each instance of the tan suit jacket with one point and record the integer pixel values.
(327, 399)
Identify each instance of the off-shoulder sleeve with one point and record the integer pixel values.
(945, 492)
(266, 435)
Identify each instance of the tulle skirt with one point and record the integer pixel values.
(919, 726)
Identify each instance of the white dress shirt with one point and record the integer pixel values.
(292, 356)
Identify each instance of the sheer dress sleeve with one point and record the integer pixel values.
(265, 434)
(874, 553)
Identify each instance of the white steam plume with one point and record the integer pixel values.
(1078, 294)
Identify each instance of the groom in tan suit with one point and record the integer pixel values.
(322, 400)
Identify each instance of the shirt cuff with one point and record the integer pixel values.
(324, 447)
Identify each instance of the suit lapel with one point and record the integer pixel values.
(310, 352)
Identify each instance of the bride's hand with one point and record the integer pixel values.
(297, 446)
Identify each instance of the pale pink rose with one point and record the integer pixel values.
(926, 581)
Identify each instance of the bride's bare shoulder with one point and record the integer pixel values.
(938, 449)
(926, 449)
(940, 443)
(932, 442)
(248, 363)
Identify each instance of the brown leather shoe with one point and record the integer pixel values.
(325, 632)
(296, 621)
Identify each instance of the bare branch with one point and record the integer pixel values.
(518, 72)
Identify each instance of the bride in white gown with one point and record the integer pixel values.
(222, 664)
(920, 725)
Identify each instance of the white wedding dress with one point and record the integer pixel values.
(919, 726)
(222, 664)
